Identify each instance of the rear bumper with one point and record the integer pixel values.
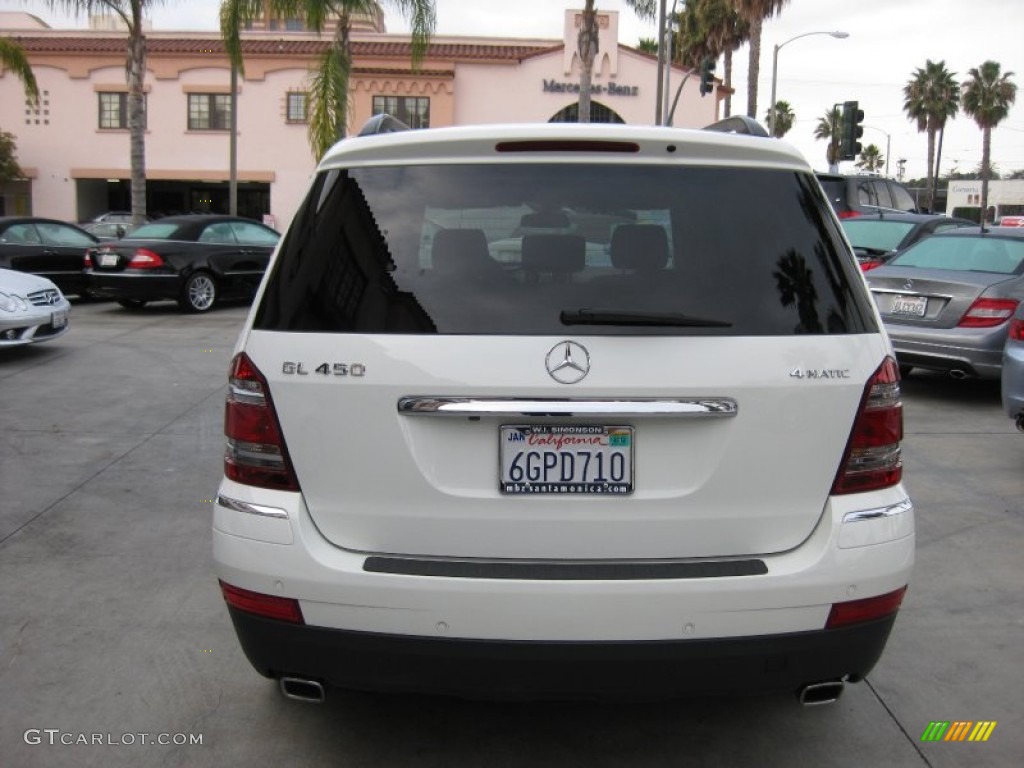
(134, 285)
(976, 352)
(545, 636)
(511, 670)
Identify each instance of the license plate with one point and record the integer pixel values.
(914, 306)
(108, 259)
(59, 319)
(566, 460)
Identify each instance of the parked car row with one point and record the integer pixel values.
(195, 259)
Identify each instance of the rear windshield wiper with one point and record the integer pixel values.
(631, 317)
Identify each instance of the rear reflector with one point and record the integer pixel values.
(869, 609)
(256, 452)
(988, 313)
(872, 458)
(270, 606)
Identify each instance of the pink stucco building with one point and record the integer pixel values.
(73, 146)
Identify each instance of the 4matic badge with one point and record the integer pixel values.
(820, 373)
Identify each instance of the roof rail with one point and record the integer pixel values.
(738, 124)
(382, 123)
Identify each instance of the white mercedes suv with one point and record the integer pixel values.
(563, 411)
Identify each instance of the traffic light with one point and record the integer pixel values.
(707, 76)
(852, 130)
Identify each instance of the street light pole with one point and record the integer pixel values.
(775, 67)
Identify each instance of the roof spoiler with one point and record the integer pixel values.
(740, 124)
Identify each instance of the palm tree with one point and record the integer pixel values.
(329, 83)
(987, 96)
(710, 28)
(785, 117)
(131, 13)
(648, 45)
(871, 159)
(755, 12)
(12, 57)
(930, 98)
(830, 128)
(587, 46)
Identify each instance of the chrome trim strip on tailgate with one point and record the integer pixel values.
(711, 407)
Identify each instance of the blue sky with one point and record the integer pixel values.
(888, 40)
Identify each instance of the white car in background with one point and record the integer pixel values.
(463, 457)
(32, 309)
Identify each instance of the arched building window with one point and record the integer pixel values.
(599, 113)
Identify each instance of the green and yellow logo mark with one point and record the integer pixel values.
(958, 730)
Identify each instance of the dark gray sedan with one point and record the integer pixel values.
(947, 301)
(877, 237)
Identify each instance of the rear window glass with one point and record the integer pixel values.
(882, 235)
(965, 254)
(542, 248)
(152, 232)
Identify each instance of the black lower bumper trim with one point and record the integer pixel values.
(570, 571)
(497, 669)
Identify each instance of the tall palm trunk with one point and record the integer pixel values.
(136, 73)
(587, 46)
(342, 39)
(986, 170)
(930, 184)
(755, 65)
(728, 82)
(938, 161)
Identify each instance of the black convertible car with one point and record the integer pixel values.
(46, 247)
(196, 260)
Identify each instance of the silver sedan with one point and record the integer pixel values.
(1013, 370)
(32, 309)
(947, 301)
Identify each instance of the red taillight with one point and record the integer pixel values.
(143, 258)
(270, 606)
(256, 452)
(866, 266)
(849, 214)
(988, 313)
(1017, 330)
(859, 611)
(872, 458)
(87, 262)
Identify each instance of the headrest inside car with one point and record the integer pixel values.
(557, 254)
(639, 247)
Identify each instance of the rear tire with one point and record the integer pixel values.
(132, 303)
(199, 293)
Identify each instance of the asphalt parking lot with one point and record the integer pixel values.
(116, 649)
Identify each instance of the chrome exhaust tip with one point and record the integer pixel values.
(815, 694)
(301, 689)
(959, 374)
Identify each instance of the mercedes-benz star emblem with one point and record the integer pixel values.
(568, 362)
(908, 286)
